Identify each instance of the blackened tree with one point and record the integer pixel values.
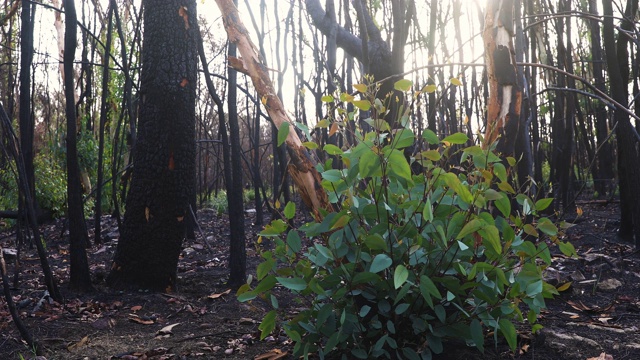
(79, 276)
(164, 155)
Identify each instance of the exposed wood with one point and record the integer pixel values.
(505, 93)
(301, 169)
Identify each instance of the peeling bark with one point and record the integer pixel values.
(505, 92)
(301, 169)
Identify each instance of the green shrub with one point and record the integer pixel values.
(219, 202)
(408, 261)
(51, 185)
(249, 195)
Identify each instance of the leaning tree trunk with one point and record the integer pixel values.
(505, 93)
(164, 155)
(302, 168)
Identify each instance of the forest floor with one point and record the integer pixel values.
(596, 317)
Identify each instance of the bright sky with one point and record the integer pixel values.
(46, 36)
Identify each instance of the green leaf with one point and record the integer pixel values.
(380, 262)
(454, 183)
(429, 88)
(509, 332)
(290, 210)
(341, 222)
(544, 253)
(365, 277)
(327, 99)
(263, 268)
(491, 194)
(471, 227)
(546, 226)
(310, 145)
(268, 324)
(543, 204)
(283, 132)
(441, 313)
(430, 136)
(369, 164)
(400, 276)
(359, 353)
(477, 334)
(346, 97)
(529, 229)
(325, 251)
(332, 175)
(491, 238)
(403, 85)
(504, 205)
(402, 138)
(398, 164)
(323, 124)
(433, 155)
(332, 342)
(534, 288)
(455, 81)
(567, 249)
(296, 284)
(401, 308)
(363, 105)
(247, 296)
(376, 242)
(360, 87)
(293, 241)
(266, 284)
(500, 171)
(427, 210)
(427, 286)
(506, 187)
(456, 139)
(332, 149)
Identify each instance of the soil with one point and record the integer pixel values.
(595, 317)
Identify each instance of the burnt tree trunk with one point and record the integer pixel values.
(26, 122)
(628, 164)
(377, 57)
(164, 155)
(604, 182)
(563, 121)
(104, 108)
(235, 198)
(79, 277)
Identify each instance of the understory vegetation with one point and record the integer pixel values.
(408, 259)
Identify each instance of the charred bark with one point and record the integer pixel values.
(628, 161)
(164, 155)
(79, 275)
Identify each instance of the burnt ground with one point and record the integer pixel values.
(597, 316)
